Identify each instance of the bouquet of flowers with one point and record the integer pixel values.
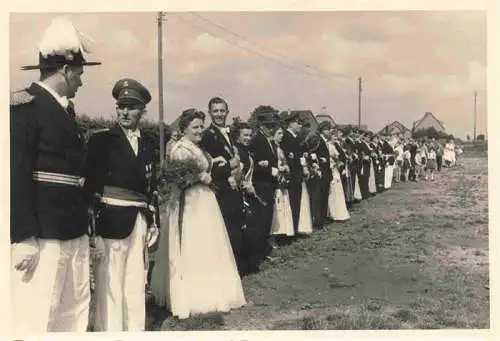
(177, 176)
(284, 171)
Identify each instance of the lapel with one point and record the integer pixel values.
(123, 146)
(269, 146)
(227, 146)
(61, 118)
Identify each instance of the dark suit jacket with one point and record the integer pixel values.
(216, 145)
(317, 145)
(111, 162)
(342, 155)
(44, 137)
(388, 150)
(293, 151)
(261, 151)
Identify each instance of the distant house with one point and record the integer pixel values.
(320, 118)
(395, 127)
(428, 121)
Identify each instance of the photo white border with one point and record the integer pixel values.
(493, 58)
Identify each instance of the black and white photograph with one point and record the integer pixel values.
(248, 171)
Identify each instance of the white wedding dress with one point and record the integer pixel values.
(195, 270)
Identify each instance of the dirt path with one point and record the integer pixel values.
(413, 257)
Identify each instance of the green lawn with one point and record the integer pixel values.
(413, 257)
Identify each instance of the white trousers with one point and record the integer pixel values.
(120, 282)
(56, 296)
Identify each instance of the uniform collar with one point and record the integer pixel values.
(62, 100)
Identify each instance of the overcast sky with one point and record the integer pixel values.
(410, 62)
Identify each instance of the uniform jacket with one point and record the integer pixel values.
(262, 150)
(387, 149)
(111, 162)
(44, 137)
(293, 152)
(216, 145)
(342, 155)
(316, 145)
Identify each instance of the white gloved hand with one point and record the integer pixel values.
(274, 171)
(152, 235)
(25, 255)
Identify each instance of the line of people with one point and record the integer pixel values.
(257, 186)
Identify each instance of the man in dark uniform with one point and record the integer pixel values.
(343, 166)
(364, 166)
(217, 142)
(319, 187)
(49, 223)
(120, 169)
(292, 148)
(265, 182)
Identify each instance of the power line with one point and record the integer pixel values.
(260, 46)
(252, 51)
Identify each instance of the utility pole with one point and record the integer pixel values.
(475, 114)
(359, 102)
(160, 18)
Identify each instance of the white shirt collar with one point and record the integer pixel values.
(131, 133)
(324, 138)
(291, 132)
(223, 130)
(62, 100)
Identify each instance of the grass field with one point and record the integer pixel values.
(415, 257)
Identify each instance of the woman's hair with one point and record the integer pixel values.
(188, 116)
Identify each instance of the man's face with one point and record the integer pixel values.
(268, 130)
(175, 135)
(245, 137)
(295, 126)
(72, 77)
(327, 133)
(218, 113)
(129, 114)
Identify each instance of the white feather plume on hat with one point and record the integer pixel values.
(63, 39)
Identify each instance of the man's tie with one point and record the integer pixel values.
(71, 109)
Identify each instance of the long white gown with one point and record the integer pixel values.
(282, 217)
(195, 269)
(336, 199)
(305, 218)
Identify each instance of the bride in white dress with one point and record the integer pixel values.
(195, 270)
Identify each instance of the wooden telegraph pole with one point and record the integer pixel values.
(160, 18)
(475, 114)
(359, 102)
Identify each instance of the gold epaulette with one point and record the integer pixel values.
(20, 97)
